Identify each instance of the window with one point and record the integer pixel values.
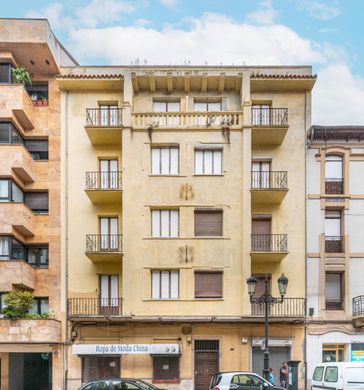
(208, 223)
(331, 374)
(333, 235)
(95, 368)
(40, 306)
(165, 223)
(110, 115)
(2, 300)
(109, 175)
(109, 295)
(318, 373)
(5, 73)
(334, 175)
(165, 161)
(109, 237)
(38, 149)
(37, 201)
(246, 380)
(208, 284)
(334, 291)
(9, 134)
(37, 256)
(10, 192)
(208, 161)
(207, 106)
(166, 368)
(166, 106)
(165, 284)
(261, 175)
(38, 92)
(261, 114)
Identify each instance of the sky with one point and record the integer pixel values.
(327, 34)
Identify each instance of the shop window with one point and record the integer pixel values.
(95, 368)
(208, 284)
(166, 368)
(333, 353)
(357, 352)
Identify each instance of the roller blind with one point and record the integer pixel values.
(37, 145)
(208, 223)
(208, 284)
(37, 201)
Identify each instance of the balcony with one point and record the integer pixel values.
(104, 187)
(334, 244)
(193, 120)
(268, 187)
(30, 331)
(334, 186)
(358, 310)
(269, 126)
(15, 158)
(103, 126)
(17, 102)
(19, 217)
(290, 307)
(104, 247)
(16, 273)
(93, 307)
(268, 247)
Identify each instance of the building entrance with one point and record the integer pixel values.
(206, 362)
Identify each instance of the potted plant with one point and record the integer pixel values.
(21, 75)
(17, 304)
(44, 101)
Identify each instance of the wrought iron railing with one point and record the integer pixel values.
(269, 242)
(334, 304)
(89, 307)
(103, 243)
(334, 186)
(103, 180)
(107, 117)
(290, 307)
(334, 244)
(358, 305)
(269, 116)
(271, 180)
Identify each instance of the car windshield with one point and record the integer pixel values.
(146, 385)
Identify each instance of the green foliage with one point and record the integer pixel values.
(17, 304)
(21, 75)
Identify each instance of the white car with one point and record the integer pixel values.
(240, 380)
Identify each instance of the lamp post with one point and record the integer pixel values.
(267, 299)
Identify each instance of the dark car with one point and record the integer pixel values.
(119, 384)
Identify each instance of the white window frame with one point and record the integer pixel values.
(202, 161)
(165, 284)
(168, 105)
(205, 106)
(165, 223)
(165, 160)
(334, 167)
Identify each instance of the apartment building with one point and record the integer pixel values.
(335, 249)
(179, 183)
(31, 349)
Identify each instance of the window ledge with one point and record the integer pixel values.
(208, 299)
(209, 174)
(187, 238)
(167, 175)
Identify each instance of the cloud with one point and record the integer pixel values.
(169, 3)
(52, 13)
(320, 10)
(265, 14)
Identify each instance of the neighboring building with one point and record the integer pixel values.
(335, 245)
(31, 350)
(179, 183)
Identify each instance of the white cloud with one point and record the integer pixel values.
(169, 3)
(52, 13)
(321, 10)
(265, 14)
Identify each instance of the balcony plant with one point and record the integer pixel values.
(21, 75)
(17, 304)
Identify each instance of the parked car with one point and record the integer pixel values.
(119, 384)
(240, 380)
(338, 375)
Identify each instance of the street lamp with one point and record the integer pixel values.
(267, 299)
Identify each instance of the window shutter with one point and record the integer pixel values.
(156, 223)
(174, 284)
(174, 161)
(165, 161)
(155, 284)
(37, 201)
(198, 162)
(208, 223)
(156, 161)
(225, 103)
(37, 145)
(217, 162)
(208, 284)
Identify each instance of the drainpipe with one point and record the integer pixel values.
(305, 324)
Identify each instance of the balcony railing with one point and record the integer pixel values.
(334, 186)
(108, 243)
(334, 304)
(334, 244)
(102, 117)
(269, 242)
(91, 307)
(103, 180)
(290, 307)
(265, 117)
(271, 180)
(358, 305)
(187, 119)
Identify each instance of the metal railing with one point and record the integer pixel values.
(103, 180)
(334, 244)
(358, 305)
(107, 117)
(334, 304)
(103, 243)
(269, 116)
(270, 180)
(334, 186)
(269, 242)
(89, 307)
(188, 119)
(290, 307)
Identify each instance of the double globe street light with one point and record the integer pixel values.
(267, 300)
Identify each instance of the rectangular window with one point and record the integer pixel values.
(333, 353)
(331, 374)
(165, 223)
(10, 192)
(38, 92)
(165, 284)
(40, 306)
(109, 115)
(261, 115)
(38, 149)
(166, 368)
(37, 201)
(109, 295)
(109, 234)
(166, 106)
(208, 223)
(208, 284)
(5, 73)
(37, 256)
(333, 235)
(334, 291)
(109, 175)
(5, 190)
(201, 106)
(165, 161)
(208, 161)
(5, 244)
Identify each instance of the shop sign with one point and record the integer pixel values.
(357, 356)
(122, 349)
